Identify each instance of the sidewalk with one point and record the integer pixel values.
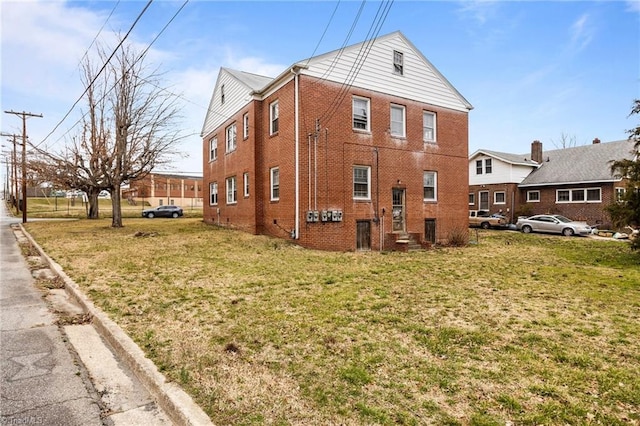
(57, 356)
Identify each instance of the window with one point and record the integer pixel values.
(533, 196)
(428, 126)
(275, 184)
(360, 113)
(579, 195)
(398, 62)
(245, 179)
(213, 148)
(397, 120)
(429, 186)
(487, 165)
(222, 94)
(245, 126)
(213, 190)
(231, 138)
(361, 182)
(499, 198)
(593, 195)
(620, 194)
(478, 167)
(232, 194)
(274, 113)
(472, 199)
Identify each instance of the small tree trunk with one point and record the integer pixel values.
(94, 212)
(116, 222)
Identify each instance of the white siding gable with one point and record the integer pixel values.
(502, 171)
(236, 96)
(420, 81)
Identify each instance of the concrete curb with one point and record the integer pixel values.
(179, 406)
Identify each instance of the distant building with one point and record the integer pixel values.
(159, 189)
(362, 148)
(576, 182)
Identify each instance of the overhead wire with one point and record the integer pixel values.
(99, 72)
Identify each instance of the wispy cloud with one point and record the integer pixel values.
(582, 32)
(480, 11)
(633, 6)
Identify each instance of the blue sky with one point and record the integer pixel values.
(551, 71)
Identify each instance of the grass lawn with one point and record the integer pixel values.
(517, 329)
(52, 207)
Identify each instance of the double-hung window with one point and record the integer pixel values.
(274, 113)
(398, 62)
(428, 126)
(360, 113)
(232, 192)
(478, 167)
(245, 126)
(361, 182)
(499, 197)
(213, 190)
(430, 181)
(275, 183)
(213, 148)
(397, 120)
(488, 166)
(245, 178)
(231, 138)
(533, 196)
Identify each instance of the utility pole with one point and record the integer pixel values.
(14, 172)
(24, 158)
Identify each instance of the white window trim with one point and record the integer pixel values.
(404, 120)
(435, 187)
(245, 180)
(245, 126)
(398, 66)
(584, 201)
(479, 170)
(273, 105)
(231, 193)
(361, 197)
(272, 184)
(434, 138)
(213, 148)
(486, 169)
(213, 190)
(495, 197)
(367, 112)
(472, 196)
(231, 143)
(529, 200)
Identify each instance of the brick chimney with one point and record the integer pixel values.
(536, 151)
(596, 141)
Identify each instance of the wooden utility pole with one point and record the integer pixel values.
(24, 158)
(14, 172)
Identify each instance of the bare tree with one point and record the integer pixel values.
(129, 128)
(565, 141)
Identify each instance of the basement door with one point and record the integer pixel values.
(398, 209)
(363, 235)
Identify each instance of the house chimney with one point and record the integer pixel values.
(536, 151)
(596, 140)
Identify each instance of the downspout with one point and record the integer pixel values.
(296, 231)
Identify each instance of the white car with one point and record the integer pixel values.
(552, 223)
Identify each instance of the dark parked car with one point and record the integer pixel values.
(163, 211)
(552, 223)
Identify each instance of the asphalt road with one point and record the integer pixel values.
(57, 374)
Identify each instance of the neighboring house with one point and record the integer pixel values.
(350, 150)
(158, 189)
(494, 178)
(576, 182)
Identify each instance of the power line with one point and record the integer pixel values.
(99, 72)
(99, 32)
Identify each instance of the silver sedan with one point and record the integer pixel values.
(552, 223)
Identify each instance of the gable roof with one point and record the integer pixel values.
(515, 159)
(580, 164)
(254, 82)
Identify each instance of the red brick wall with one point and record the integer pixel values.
(326, 164)
(512, 199)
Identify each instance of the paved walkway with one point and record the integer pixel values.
(57, 374)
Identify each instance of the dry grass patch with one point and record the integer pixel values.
(526, 329)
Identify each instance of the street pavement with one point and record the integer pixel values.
(52, 372)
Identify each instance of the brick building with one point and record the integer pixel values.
(575, 182)
(355, 149)
(160, 189)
